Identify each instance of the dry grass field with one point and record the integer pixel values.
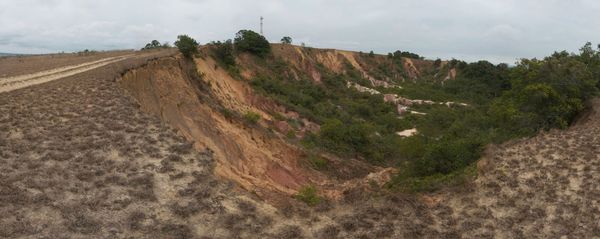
(79, 159)
(20, 65)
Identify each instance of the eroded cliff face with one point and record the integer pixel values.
(248, 155)
(307, 61)
(197, 97)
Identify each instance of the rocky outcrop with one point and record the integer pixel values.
(411, 70)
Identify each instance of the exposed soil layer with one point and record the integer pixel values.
(244, 153)
(80, 159)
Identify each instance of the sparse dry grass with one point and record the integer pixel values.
(19, 65)
(79, 159)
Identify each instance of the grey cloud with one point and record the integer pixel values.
(499, 31)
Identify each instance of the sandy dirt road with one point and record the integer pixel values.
(22, 81)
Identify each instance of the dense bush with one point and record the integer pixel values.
(224, 52)
(152, 45)
(479, 82)
(252, 42)
(308, 194)
(346, 138)
(155, 44)
(286, 40)
(317, 162)
(353, 123)
(547, 93)
(504, 103)
(399, 54)
(187, 45)
(447, 156)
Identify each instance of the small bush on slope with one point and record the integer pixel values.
(187, 45)
(251, 117)
(308, 194)
(224, 52)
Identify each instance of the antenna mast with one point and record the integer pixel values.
(261, 25)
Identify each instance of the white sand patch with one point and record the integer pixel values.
(408, 132)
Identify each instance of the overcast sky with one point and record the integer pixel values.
(499, 31)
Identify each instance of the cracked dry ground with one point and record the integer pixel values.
(78, 159)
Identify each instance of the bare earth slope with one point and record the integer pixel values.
(80, 159)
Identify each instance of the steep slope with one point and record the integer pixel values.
(309, 61)
(258, 157)
(246, 154)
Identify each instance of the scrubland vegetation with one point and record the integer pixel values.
(79, 158)
(504, 103)
(155, 44)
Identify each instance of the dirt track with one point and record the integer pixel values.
(17, 82)
(22, 65)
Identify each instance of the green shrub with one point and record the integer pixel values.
(227, 113)
(437, 63)
(430, 183)
(224, 53)
(446, 156)
(291, 134)
(317, 162)
(251, 117)
(346, 138)
(187, 45)
(154, 44)
(308, 195)
(286, 40)
(400, 54)
(252, 42)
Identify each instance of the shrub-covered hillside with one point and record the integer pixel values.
(484, 103)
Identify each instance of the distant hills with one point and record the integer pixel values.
(8, 54)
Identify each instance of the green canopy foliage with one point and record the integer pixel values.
(504, 103)
(286, 40)
(187, 45)
(252, 42)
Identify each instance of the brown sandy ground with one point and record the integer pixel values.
(20, 65)
(78, 159)
(18, 82)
